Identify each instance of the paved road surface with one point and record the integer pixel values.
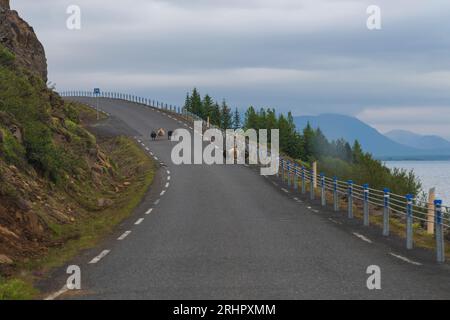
(225, 232)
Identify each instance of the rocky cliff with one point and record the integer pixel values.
(19, 37)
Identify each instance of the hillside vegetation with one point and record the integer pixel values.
(61, 188)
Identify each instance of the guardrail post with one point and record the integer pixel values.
(296, 176)
(289, 174)
(312, 191)
(350, 199)
(303, 180)
(409, 221)
(280, 164)
(366, 205)
(386, 212)
(440, 249)
(335, 194)
(323, 194)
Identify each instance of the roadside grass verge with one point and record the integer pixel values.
(135, 170)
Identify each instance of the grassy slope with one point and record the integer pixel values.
(61, 190)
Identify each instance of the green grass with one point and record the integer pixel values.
(16, 289)
(88, 230)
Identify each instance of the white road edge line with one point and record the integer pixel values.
(99, 257)
(124, 235)
(363, 238)
(139, 221)
(163, 192)
(168, 178)
(156, 202)
(405, 259)
(167, 185)
(55, 295)
(334, 221)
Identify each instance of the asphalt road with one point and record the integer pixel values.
(226, 232)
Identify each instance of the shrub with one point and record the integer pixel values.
(6, 57)
(12, 151)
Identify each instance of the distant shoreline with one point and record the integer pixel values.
(433, 158)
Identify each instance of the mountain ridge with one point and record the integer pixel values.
(424, 142)
(336, 126)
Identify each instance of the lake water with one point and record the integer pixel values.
(431, 174)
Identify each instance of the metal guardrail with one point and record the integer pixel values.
(126, 97)
(406, 207)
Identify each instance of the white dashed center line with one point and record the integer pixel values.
(99, 257)
(405, 259)
(334, 221)
(156, 202)
(123, 236)
(139, 221)
(149, 211)
(163, 192)
(167, 185)
(363, 238)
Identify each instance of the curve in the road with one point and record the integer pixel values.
(225, 232)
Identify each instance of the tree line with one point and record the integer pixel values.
(336, 157)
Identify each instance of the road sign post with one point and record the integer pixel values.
(97, 93)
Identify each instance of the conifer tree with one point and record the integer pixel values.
(225, 115)
(236, 119)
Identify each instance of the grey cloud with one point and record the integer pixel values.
(317, 55)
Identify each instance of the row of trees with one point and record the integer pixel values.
(310, 145)
(336, 157)
(219, 115)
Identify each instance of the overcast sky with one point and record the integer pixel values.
(307, 56)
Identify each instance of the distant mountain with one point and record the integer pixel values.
(418, 141)
(336, 126)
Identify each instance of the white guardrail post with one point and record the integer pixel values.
(303, 180)
(335, 194)
(386, 212)
(409, 222)
(296, 177)
(366, 205)
(350, 199)
(288, 174)
(439, 232)
(312, 191)
(323, 192)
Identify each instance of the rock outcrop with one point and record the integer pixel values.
(19, 37)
